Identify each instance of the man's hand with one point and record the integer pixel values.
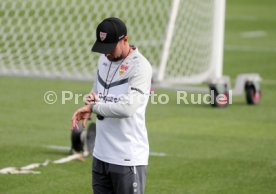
(91, 98)
(82, 114)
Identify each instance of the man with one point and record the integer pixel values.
(119, 99)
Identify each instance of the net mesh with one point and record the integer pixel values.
(190, 51)
(53, 38)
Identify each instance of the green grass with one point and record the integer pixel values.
(259, 54)
(230, 150)
(209, 150)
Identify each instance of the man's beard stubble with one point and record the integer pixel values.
(115, 59)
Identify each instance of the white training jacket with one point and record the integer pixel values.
(123, 88)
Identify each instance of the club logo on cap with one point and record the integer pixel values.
(103, 35)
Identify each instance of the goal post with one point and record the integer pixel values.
(193, 51)
(182, 39)
(218, 39)
(168, 40)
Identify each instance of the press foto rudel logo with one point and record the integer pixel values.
(181, 97)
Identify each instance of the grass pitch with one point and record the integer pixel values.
(209, 151)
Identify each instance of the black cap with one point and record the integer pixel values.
(109, 32)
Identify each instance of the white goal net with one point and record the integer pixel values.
(182, 39)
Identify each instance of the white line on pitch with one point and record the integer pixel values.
(253, 34)
(249, 49)
(158, 154)
(28, 169)
(56, 147)
(243, 18)
(67, 148)
(269, 82)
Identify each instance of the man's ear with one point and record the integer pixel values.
(126, 39)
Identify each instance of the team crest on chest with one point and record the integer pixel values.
(123, 69)
(103, 35)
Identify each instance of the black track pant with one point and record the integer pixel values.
(116, 179)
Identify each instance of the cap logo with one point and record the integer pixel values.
(103, 35)
(121, 37)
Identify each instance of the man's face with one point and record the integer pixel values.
(117, 53)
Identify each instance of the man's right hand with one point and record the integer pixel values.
(91, 98)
